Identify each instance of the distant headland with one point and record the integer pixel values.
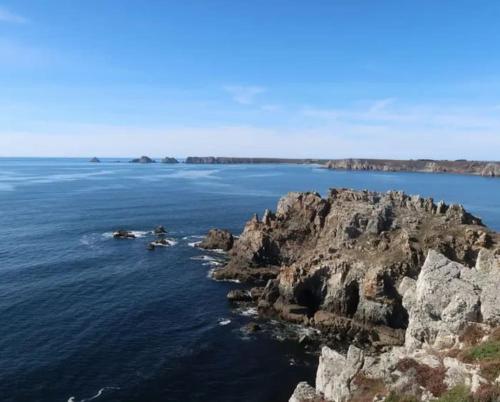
(459, 166)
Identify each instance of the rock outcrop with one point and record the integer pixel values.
(217, 239)
(336, 262)
(450, 306)
(95, 160)
(490, 169)
(124, 234)
(143, 159)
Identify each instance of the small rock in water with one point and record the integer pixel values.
(217, 239)
(238, 295)
(252, 327)
(150, 246)
(123, 234)
(160, 230)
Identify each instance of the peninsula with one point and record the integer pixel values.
(409, 284)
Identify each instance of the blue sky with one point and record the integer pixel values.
(330, 79)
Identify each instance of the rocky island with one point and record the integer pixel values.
(168, 159)
(409, 285)
(95, 160)
(143, 159)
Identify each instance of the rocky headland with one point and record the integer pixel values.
(408, 284)
(222, 160)
(481, 168)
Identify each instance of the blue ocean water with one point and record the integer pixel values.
(86, 317)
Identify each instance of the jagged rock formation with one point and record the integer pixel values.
(217, 239)
(490, 169)
(336, 262)
(143, 159)
(95, 160)
(168, 159)
(450, 306)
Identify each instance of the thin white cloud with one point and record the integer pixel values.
(381, 104)
(244, 95)
(8, 16)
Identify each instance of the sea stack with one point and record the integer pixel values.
(95, 160)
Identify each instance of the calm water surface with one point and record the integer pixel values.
(85, 317)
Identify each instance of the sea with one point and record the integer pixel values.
(86, 317)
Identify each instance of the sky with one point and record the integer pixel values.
(295, 78)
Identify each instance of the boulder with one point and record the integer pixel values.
(217, 239)
(305, 393)
(239, 295)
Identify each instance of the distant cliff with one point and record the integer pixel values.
(490, 169)
(236, 160)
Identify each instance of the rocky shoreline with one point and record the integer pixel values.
(480, 168)
(399, 278)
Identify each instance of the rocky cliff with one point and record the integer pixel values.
(489, 169)
(379, 271)
(452, 343)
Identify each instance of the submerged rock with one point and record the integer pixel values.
(160, 230)
(217, 239)
(252, 327)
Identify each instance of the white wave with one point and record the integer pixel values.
(136, 233)
(210, 275)
(212, 264)
(248, 312)
(224, 321)
(99, 393)
(203, 258)
(169, 242)
(194, 244)
(193, 237)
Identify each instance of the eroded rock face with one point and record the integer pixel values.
(444, 301)
(337, 262)
(217, 239)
